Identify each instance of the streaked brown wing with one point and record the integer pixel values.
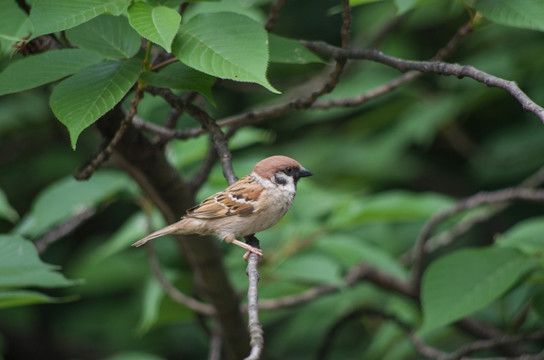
(238, 199)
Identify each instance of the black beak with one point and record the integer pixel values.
(304, 173)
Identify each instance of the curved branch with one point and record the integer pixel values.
(172, 291)
(436, 67)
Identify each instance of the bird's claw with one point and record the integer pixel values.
(255, 251)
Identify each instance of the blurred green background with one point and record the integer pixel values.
(381, 169)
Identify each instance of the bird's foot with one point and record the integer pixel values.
(255, 251)
(250, 250)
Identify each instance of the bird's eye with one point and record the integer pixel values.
(288, 170)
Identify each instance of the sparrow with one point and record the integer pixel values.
(252, 204)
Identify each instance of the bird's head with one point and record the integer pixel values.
(281, 170)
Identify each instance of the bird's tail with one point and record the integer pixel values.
(170, 229)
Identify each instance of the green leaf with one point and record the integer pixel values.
(67, 198)
(310, 268)
(461, 283)
(14, 24)
(55, 15)
(180, 76)
(6, 211)
(36, 70)
(226, 45)
(111, 36)
(157, 24)
(284, 50)
(525, 236)
(527, 14)
(84, 97)
(13, 298)
(20, 266)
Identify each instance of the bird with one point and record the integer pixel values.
(252, 204)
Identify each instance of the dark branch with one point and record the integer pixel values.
(63, 229)
(273, 14)
(88, 169)
(171, 290)
(436, 67)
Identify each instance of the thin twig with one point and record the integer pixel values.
(63, 229)
(395, 83)
(355, 274)
(172, 291)
(217, 136)
(88, 169)
(215, 345)
(198, 180)
(273, 14)
(166, 133)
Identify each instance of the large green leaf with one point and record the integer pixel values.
(14, 24)
(157, 24)
(111, 36)
(20, 266)
(525, 236)
(464, 282)
(6, 211)
(284, 50)
(226, 45)
(55, 15)
(528, 14)
(180, 76)
(67, 198)
(33, 71)
(82, 98)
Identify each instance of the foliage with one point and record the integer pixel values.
(399, 164)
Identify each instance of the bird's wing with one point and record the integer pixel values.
(238, 199)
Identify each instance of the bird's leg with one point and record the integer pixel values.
(250, 249)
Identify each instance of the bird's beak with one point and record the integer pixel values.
(304, 173)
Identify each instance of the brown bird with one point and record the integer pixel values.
(252, 204)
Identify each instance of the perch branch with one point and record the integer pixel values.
(254, 326)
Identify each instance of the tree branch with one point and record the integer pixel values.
(436, 67)
(254, 326)
(88, 169)
(171, 290)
